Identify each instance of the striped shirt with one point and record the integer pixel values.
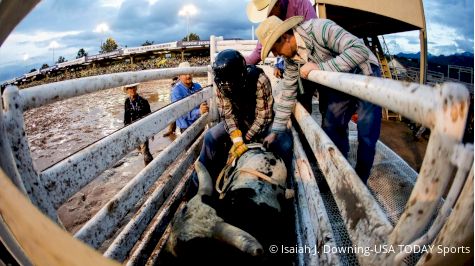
(263, 110)
(328, 45)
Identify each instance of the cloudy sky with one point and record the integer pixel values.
(65, 26)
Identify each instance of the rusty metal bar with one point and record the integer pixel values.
(15, 129)
(412, 100)
(49, 93)
(308, 191)
(437, 170)
(456, 237)
(159, 224)
(99, 227)
(462, 157)
(70, 175)
(124, 242)
(365, 221)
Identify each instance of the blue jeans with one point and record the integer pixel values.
(217, 143)
(340, 108)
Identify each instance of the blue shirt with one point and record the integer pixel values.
(179, 92)
(280, 64)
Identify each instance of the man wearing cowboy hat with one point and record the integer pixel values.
(257, 11)
(137, 107)
(184, 87)
(320, 44)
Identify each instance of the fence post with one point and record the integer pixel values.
(7, 160)
(15, 129)
(213, 107)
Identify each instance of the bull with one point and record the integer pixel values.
(247, 213)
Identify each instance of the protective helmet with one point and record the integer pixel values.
(229, 70)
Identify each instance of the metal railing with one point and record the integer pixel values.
(442, 109)
(50, 188)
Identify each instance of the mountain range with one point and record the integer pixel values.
(461, 59)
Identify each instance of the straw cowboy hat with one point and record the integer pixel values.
(135, 85)
(258, 10)
(271, 29)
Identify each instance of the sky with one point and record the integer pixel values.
(61, 27)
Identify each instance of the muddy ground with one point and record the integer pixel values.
(60, 129)
(57, 130)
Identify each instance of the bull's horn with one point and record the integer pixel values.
(205, 184)
(237, 238)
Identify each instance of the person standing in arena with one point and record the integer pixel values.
(184, 87)
(137, 107)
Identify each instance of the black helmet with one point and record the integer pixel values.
(229, 70)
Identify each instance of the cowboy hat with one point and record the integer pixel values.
(125, 88)
(184, 64)
(271, 29)
(258, 10)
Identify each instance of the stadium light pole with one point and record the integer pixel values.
(101, 29)
(26, 56)
(187, 11)
(53, 45)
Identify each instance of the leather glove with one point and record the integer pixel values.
(238, 147)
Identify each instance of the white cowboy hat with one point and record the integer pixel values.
(125, 88)
(258, 10)
(271, 29)
(184, 64)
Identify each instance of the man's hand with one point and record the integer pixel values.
(305, 69)
(238, 147)
(277, 73)
(204, 108)
(269, 139)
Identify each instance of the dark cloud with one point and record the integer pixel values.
(456, 14)
(136, 21)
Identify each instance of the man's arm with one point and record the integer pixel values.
(146, 109)
(255, 57)
(126, 114)
(264, 103)
(351, 50)
(224, 104)
(288, 96)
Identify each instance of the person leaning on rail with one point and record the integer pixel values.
(184, 87)
(320, 44)
(137, 107)
(244, 99)
(257, 11)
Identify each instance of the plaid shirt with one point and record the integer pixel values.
(263, 111)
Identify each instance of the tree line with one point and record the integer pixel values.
(111, 45)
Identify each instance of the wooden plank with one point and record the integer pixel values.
(42, 241)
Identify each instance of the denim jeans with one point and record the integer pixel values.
(217, 143)
(340, 108)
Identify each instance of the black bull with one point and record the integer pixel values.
(249, 215)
